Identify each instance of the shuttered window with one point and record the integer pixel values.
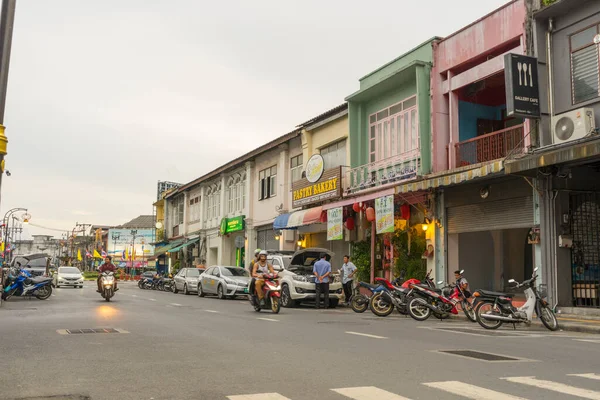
(585, 73)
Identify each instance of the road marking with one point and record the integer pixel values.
(134, 295)
(555, 387)
(470, 391)
(152, 299)
(368, 393)
(176, 304)
(366, 335)
(212, 311)
(588, 340)
(269, 319)
(260, 396)
(589, 376)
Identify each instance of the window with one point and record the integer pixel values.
(177, 211)
(194, 209)
(394, 132)
(296, 165)
(213, 202)
(584, 65)
(267, 180)
(236, 193)
(334, 155)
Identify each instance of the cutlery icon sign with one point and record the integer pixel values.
(525, 73)
(519, 67)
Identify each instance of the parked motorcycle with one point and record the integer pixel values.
(272, 294)
(496, 308)
(395, 295)
(21, 283)
(167, 285)
(107, 283)
(427, 300)
(360, 302)
(455, 291)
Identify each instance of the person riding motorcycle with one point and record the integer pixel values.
(107, 266)
(261, 268)
(251, 265)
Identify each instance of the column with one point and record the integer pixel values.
(166, 220)
(222, 258)
(453, 125)
(186, 212)
(250, 244)
(202, 204)
(307, 147)
(439, 240)
(497, 281)
(453, 254)
(283, 177)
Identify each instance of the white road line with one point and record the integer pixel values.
(212, 311)
(152, 299)
(589, 376)
(555, 387)
(588, 340)
(368, 393)
(176, 304)
(134, 295)
(471, 391)
(269, 319)
(366, 335)
(260, 396)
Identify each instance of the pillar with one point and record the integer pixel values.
(283, 177)
(222, 259)
(251, 243)
(453, 125)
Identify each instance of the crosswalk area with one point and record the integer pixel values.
(466, 390)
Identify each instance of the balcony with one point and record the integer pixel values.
(490, 147)
(396, 169)
(175, 231)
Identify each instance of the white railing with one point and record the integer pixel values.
(396, 169)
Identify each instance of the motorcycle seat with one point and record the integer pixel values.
(40, 279)
(368, 285)
(495, 294)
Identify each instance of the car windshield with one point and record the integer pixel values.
(193, 272)
(287, 260)
(68, 270)
(233, 271)
(36, 263)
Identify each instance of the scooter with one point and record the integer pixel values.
(360, 302)
(396, 294)
(21, 283)
(272, 294)
(498, 308)
(107, 283)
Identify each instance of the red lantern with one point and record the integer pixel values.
(324, 216)
(405, 211)
(356, 207)
(371, 214)
(350, 223)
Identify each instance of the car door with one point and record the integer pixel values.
(203, 279)
(215, 279)
(179, 278)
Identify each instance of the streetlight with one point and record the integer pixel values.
(115, 236)
(6, 220)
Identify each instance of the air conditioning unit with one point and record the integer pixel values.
(573, 125)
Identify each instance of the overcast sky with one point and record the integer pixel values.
(107, 97)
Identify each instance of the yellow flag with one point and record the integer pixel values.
(79, 258)
(96, 254)
(2, 247)
(134, 252)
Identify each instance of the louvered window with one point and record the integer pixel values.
(584, 65)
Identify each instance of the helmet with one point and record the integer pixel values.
(256, 251)
(263, 253)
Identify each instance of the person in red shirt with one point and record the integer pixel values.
(107, 266)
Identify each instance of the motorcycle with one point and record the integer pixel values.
(21, 283)
(166, 285)
(107, 283)
(360, 302)
(427, 300)
(496, 308)
(272, 294)
(396, 294)
(455, 291)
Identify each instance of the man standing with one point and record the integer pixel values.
(348, 272)
(322, 270)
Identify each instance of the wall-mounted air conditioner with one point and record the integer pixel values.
(573, 125)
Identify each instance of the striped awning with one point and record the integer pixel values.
(298, 218)
(452, 179)
(183, 246)
(159, 250)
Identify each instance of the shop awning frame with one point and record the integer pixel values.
(184, 245)
(165, 249)
(298, 218)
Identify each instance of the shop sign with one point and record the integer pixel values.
(314, 168)
(335, 218)
(230, 225)
(327, 187)
(384, 214)
(522, 89)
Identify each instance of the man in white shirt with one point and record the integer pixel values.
(348, 272)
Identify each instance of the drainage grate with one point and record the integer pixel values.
(478, 355)
(84, 331)
(59, 397)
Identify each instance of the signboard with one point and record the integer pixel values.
(328, 187)
(522, 86)
(230, 225)
(122, 239)
(314, 168)
(335, 218)
(384, 214)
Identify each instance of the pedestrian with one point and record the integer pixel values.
(348, 272)
(322, 270)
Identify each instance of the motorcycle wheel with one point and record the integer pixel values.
(275, 305)
(254, 301)
(360, 303)
(141, 284)
(417, 310)
(44, 292)
(468, 310)
(108, 295)
(548, 318)
(488, 307)
(379, 306)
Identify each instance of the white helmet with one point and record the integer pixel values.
(263, 253)
(256, 251)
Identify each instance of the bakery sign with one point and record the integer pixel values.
(328, 186)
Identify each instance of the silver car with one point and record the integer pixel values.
(68, 276)
(186, 280)
(225, 282)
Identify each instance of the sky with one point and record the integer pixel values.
(105, 98)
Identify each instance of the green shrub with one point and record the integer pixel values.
(90, 275)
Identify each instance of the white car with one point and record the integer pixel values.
(68, 276)
(297, 279)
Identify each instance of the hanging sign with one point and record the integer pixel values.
(334, 224)
(522, 89)
(384, 214)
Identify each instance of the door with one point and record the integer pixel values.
(205, 279)
(493, 215)
(179, 280)
(215, 278)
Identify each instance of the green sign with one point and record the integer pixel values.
(230, 225)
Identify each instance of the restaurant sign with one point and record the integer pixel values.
(327, 187)
(230, 225)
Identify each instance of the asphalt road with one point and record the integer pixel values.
(184, 347)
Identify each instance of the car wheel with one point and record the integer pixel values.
(185, 289)
(175, 290)
(220, 293)
(200, 291)
(286, 297)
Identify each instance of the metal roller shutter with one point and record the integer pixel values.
(265, 239)
(493, 215)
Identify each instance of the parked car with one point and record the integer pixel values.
(186, 280)
(67, 276)
(225, 282)
(36, 264)
(148, 274)
(297, 279)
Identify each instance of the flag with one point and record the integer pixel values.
(133, 255)
(124, 256)
(79, 258)
(96, 254)
(88, 254)
(2, 247)
(104, 255)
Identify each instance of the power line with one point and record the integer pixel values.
(50, 229)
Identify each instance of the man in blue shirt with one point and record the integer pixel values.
(322, 270)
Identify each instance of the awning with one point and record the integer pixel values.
(184, 245)
(359, 199)
(298, 218)
(164, 249)
(452, 179)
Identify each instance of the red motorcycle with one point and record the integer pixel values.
(272, 294)
(427, 300)
(395, 295)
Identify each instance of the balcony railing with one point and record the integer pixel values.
(491, 146)
(175, 231)
(395, 169)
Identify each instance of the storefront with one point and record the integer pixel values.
(232, 231)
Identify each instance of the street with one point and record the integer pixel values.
(168, 346)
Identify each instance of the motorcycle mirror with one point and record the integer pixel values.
(512, 281)
(535, 269)
(462, 271)
(440, 282)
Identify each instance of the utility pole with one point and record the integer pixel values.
(7, 20)
(115, 236)
(133, 234)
